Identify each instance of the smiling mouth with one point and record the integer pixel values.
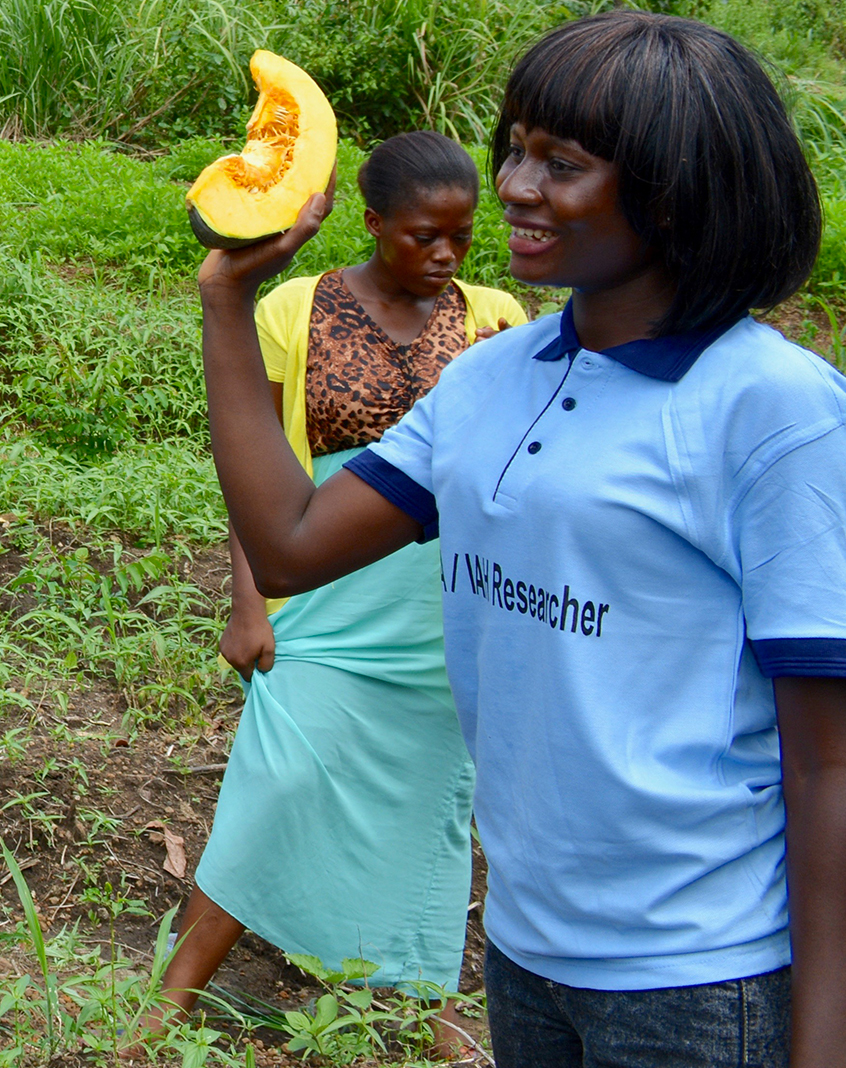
(534, 235)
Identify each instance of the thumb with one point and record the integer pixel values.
(266, 658)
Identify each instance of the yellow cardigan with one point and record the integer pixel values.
(283, 318)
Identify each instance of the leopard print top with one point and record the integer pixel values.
(358, 381)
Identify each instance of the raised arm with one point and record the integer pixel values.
(295, 537)
(812, 726)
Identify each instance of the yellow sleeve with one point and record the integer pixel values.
(512, 311)
(281, 318)
(273, 351)
(485, 307)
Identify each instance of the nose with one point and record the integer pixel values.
(442, 251)
(517, 183)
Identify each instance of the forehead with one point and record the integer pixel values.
(449, 204)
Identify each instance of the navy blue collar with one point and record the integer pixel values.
(668, 358)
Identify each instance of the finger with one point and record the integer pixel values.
(265, 661)
(504, 324)
(286, 245)
(250, 266)
(310, 216)
(330, 190)
(242, 666)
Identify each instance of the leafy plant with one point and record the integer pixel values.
(78, 999)
(348, 1021)
(15, 998)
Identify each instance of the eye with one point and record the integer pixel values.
(424, 239)
(463, 239)
(515, 152)
(562, 166)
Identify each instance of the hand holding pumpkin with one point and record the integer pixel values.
(239, 272)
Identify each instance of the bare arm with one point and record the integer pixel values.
(295, 537)
(812, 725)
(248, 641)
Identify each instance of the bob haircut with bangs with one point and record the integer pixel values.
(711, 172)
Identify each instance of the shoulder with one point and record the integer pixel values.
(488, 305)
(505, 357)
(761, 394)
(754, 361)
(287, 296)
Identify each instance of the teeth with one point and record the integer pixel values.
(535, 235)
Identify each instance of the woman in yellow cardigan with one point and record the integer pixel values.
(342, 828)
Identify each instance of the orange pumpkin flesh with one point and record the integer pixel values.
(289, 155)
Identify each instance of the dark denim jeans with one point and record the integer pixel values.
(537, 1023)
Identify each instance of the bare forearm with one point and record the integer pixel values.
(812, 717)
(245, 596)
(265, 488)
(816, 851)
(294, 536)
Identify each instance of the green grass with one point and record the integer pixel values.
(107, 489)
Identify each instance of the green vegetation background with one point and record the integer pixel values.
(108, 109)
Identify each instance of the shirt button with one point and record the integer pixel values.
(534, 447)
(568, 404)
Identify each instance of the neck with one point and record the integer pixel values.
(373, 280)
(607, 318)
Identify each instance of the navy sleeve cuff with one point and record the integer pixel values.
(399, 489)
(810, 657)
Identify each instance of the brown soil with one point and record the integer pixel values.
(158, 777)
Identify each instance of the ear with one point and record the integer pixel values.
(373, 222)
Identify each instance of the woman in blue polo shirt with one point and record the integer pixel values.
(642, 505)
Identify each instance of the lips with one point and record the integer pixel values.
(535, 235)
(530, 240)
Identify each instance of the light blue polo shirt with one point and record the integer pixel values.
(633, 543)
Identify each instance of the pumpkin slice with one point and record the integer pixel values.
(290, 151)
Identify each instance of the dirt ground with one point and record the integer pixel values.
(160, 778)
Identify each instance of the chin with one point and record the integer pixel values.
(528, 273)
(529, 279)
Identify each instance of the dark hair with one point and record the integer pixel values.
(403, 165)
(711, 172)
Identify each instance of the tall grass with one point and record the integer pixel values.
(142, 70)
(114, 67)
(396, 64)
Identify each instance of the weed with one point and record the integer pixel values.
(76, 1000)
(348, 1021)
(13, 744)
(838, 335)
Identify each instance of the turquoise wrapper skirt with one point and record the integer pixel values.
(342, 828)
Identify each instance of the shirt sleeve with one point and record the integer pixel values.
(790, 530)
(399, 465)
(514, 312)
(273, 346)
